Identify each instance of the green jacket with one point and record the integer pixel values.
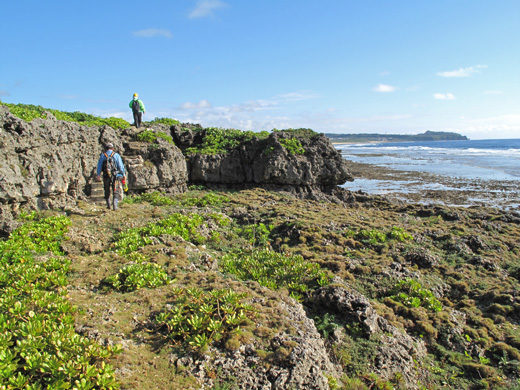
(141, 105)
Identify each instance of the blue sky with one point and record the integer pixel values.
(336, 66)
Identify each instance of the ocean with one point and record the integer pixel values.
(491, 166)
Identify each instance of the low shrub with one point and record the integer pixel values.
(39, 346)
(197, 317)
(221, 141)
(28, 112)
(138, 274)
(176, 224)
(293, 146)
(275, 270)
(208, 199)
(164, 121)
(150, 136)
(154, 198)
(412, 294)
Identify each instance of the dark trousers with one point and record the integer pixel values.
(108, 186)
(138, 115)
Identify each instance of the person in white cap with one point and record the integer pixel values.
(111, 164)
(137, 107)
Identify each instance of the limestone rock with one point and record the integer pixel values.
(396, 349)
(304, 368)
(267, 162)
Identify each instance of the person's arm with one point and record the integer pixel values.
(100, 166)
(119, 163)
(141, 104)
(130, 104)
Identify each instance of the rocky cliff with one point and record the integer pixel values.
(49, 163)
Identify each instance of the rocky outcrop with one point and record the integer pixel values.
(396, 350)
(49, 163)
(268, 162)
(304, 365)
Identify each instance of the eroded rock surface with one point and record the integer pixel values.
(304, 365)
(396, 350)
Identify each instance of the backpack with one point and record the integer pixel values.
(136, 107)
(109, 166)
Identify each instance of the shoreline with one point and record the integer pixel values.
(423, 187)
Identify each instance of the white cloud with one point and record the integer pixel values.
(501, 126)
(462, 72)
(4, 93)
(253, 115)
(153, 32)
(297, 96)
(384, 88)
(205, 8)
(203, 104)
(443, 96)
(494, 92)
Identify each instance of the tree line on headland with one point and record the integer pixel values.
(426, 136)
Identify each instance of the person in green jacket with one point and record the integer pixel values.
(137, 107)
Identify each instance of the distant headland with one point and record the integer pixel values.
(426, 136)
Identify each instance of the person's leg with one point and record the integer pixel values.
(140, 116)
(114, 199)
(136, 119)
(118, 192)
(107, 189)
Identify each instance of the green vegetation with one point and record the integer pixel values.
(176, 224)
(28, 112)
(154, 198)
(413, 294)
(164, 121)
(150, 136)
(194, 200)
(138, 274)
(198, 318)
(293, 146)
(39, 347)
(298, 133)
(221, 141)
(275, 270)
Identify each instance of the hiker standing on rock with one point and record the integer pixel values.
(111, 164)
(137, 107)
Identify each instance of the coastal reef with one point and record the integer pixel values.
(272, 278)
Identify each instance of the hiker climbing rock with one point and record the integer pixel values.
(137, 107)
(111, 164)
